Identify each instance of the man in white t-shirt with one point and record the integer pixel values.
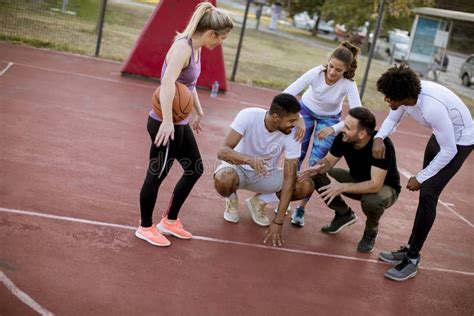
(436, 107)
(250, 155)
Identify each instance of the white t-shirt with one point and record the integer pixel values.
(324, 99)
(444, 112)
(258, 141)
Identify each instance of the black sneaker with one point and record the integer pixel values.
(404, 270)
(367, 242)
(393, 257)
(339, 222)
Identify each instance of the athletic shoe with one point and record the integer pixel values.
(404, 270)
(175, 229)
(339, 222)
(287, 210)
(257, 209)
(367, 242)
(152, 235)
(297, 218)
(394, 257)
(231, 213)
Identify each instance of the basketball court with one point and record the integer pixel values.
(74, 151)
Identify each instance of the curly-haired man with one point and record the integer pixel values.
(436, 107)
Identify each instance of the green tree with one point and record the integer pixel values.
(354, 13)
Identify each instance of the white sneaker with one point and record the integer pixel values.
(257, 209)
(231, 213)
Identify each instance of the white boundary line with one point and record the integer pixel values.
(22, 296)
(408, 175)
(222, 241)
(5, 69)
(85, 76)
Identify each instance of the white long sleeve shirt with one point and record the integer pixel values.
(444, 112)
(324, 99)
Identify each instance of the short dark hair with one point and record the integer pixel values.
(399, 82)
(365, 117)
(284, 104)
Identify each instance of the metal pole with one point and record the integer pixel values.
(242, 31)
(372, 47)
(100, 25)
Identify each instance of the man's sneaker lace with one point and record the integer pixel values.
(231, 213)
(404, 270)
(257, 210)
(394, 257)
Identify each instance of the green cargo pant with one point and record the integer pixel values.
(373, 204)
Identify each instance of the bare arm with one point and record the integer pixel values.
(228, 154)
(334, 188)
(289, 179)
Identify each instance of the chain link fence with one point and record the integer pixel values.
(75, 25)
(270, 58)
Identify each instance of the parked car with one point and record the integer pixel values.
(304, 21)
(399, 41)
(467, 71)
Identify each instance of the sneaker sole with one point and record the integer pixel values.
(137, 234)
(165, 231)
(249, 207)
(231, 220)
(388, 260)
(345, 225)
(361, 251)
(391, 277)
(297, 224)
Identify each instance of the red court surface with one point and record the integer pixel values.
(74, 149)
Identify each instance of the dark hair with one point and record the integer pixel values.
(399, 82)
(365, 117)
(284, 104)
(347, 53)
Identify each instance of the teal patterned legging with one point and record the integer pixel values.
(320, 146)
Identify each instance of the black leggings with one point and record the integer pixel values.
(430, 191)
(184, 149)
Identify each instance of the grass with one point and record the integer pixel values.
(266, 60)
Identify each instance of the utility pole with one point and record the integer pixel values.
(239, 46)
(372, 47)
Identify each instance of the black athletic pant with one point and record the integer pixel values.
(430, 192)
(184, 149)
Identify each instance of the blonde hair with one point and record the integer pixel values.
(207, 17)
(347, 53)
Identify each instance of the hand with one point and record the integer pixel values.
(300, 129)
(274, 233)
(325, 132)
(330, 191)
(413, 184)
(196, 124)
(311, 172)
(259, 164)
(378, 148)
(165, 132)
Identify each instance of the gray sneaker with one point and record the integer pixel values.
(393, 257)
(403, 271)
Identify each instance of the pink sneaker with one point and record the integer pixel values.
(152, 235)
(176, 229)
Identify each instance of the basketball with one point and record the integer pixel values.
(182, 102)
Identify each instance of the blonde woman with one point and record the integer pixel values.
(321, 105)
(170, 141)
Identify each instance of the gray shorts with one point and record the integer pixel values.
(249, 180)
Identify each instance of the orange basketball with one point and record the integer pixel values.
(182, 102)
